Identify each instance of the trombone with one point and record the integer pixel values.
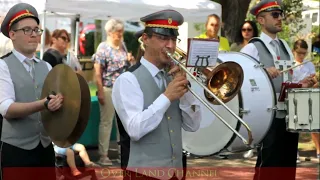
(222, 76)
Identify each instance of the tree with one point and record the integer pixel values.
(234, 12)
(293, 22)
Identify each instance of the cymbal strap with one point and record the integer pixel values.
(48, 99)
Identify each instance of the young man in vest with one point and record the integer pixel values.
(277, 153)
(152, 106)
(25, 147)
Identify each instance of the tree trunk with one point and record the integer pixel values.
(97, 34)
(234, 13)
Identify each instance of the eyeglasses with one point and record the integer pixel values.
(65, 39)
(167, 38)
(244, 29)
(28, 31)
(276, 15)
(301, 53)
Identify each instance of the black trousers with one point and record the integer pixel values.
(277, 155)
(20, 164)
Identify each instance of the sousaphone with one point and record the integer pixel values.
(66, 125)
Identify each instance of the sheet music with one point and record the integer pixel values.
(202, 53)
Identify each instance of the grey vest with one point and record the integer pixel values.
(161, 148)
(27, 132)
(266, 59)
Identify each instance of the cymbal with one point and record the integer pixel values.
(84, 113)
(60, 124)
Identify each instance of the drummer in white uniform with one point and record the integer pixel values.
(300, 51)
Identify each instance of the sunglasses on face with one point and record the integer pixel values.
(65, 39)
(276, 15)
(248, 29)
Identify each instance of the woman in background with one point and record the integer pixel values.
(58, 52)
(246, 31)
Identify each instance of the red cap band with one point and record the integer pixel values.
(163, 23)
(22, 13)
(266, 6)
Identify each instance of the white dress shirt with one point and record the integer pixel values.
(301, 72)
(7, 93)
(251, 49)
(128, 100)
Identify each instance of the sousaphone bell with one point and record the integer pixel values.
(66, 125)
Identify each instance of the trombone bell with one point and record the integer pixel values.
(225, 81)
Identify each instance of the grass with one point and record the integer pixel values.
(93, 89)
(305, 142)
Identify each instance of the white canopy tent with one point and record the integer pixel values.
(132, 10)
(194, 11)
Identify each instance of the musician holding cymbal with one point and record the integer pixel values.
(277, 153)
(25, 146)
(153, 104)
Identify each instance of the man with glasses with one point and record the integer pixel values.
(25, 146)
(277, 153)
(153, 103)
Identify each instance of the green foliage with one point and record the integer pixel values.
(200, 27)
(89, 44)
(315, 32)
(131, 41)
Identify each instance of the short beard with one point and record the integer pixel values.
(273, 30)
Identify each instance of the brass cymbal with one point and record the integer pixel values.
(84, 113)
(60, 124)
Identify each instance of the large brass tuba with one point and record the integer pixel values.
(222, 83)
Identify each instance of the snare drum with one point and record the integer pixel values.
(253, 104)
(303, 110)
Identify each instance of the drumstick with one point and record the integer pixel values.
(294, 66)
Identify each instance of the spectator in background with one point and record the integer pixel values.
(110, 61)
(47, 42)
(58, 52)
(246, 31)
(213, 25)
(300, 51)
(69, 152)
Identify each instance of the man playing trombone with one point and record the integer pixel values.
(279, 147)
(154, 104)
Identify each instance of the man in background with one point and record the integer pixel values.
(213, 25)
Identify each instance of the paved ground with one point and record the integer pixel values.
(235, 167)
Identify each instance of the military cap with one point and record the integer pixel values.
(164, 22)
(266, 6)
(17, 13)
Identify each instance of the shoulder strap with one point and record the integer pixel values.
(288, 49)
(8, 54)
(258, 40)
